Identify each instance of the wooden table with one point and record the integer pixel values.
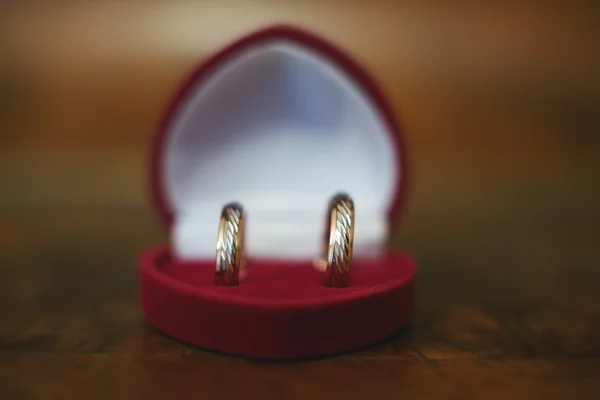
(508, 305)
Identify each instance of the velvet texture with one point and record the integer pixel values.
(278, 311)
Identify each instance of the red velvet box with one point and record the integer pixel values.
(279, 121)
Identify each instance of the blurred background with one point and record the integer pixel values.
(504, 94)
(500, 108)
(493, 98)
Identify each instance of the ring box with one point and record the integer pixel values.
(279, 121)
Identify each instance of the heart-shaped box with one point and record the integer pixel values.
(279, 121)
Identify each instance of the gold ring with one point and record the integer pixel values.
(338, 246)
(229, 245)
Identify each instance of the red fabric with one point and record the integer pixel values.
(278, 311)
(317, 44)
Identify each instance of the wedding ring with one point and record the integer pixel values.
(338, 246)
(229, 245)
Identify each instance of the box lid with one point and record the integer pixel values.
(278, 121)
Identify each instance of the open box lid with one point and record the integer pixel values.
(278, 121)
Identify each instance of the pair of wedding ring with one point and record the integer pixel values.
(337, 247)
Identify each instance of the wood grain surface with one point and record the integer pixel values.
(500, 110)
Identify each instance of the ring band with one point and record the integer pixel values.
(229, 245)
(339, 245)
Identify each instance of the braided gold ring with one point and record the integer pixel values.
(229, 245)
(338, 246)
